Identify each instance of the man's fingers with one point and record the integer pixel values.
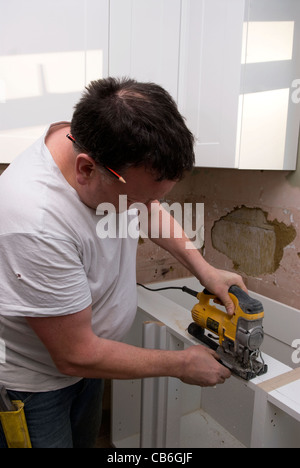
(227, 303)
(227, 373)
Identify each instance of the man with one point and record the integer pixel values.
(67, 297)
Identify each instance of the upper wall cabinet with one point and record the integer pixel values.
(49, 51)
(230, 64)
(240, 65)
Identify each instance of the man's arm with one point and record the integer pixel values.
(216, 281)
(77, 351)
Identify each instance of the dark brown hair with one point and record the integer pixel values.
(122, 123)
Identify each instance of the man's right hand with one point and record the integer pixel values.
(202, 367)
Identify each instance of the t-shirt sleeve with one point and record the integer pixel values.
(41, 277)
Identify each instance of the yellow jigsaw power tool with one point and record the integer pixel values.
(236, 339)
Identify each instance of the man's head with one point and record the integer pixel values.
(123, 124)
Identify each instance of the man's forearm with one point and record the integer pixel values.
(77, 351)
(112, 360)
(196, 365)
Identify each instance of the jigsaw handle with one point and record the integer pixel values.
(206, 296)
(248, 305)
(235, 290)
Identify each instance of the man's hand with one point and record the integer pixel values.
(218, 282)
(202, 368)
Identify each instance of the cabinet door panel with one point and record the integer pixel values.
(144, 41)
(211, 51)
(48, 52)
(270, 116)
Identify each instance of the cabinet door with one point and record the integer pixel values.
(210, 77)
(144, 41)
(49, 50)
(270, 67)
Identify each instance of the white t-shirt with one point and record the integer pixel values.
(52, 263)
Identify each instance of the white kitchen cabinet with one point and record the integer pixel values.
(49, 51)
(193, 48)
(239, 63)
(230, 64)
(165, 413)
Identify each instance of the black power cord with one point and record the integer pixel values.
(184, 289)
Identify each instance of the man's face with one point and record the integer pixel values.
(140, 187)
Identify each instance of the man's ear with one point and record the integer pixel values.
(85, 168)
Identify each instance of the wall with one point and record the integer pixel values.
(252, 226)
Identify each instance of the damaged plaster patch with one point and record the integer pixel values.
(254, 244)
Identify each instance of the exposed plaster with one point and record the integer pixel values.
(254, 244)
